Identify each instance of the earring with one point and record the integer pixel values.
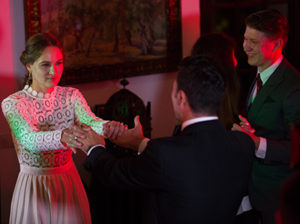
(29, 77)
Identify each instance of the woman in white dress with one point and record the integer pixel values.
(48, 188)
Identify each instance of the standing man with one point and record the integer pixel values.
(199, 176)
(273, 105)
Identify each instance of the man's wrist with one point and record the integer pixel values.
(256, 142)
(262, 148)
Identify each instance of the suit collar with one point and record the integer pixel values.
(198, 119)
(212, 124)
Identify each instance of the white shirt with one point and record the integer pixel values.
(196, 120)
(265, 75)
(91, 149)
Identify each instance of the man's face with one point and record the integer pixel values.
(259, 48)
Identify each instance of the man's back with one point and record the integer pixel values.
(205, 173)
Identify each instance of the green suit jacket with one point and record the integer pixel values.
(271, 114)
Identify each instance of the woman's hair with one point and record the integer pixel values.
(220, 47)
(34, 47)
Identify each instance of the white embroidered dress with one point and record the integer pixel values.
(48, 188)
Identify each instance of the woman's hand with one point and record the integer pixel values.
(114, 129)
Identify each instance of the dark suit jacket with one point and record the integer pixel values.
(275, 107)
(199, 176)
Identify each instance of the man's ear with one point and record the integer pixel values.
(182, 99)
(278, 43)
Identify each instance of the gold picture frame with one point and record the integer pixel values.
(111, 40)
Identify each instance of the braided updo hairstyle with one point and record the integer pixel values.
(34, 47)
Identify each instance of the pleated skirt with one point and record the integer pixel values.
(49, 195)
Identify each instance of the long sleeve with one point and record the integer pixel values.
(18, 114)
(143, 171)
(85, 115)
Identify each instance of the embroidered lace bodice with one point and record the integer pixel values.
(37, 121)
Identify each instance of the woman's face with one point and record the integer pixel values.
(47, 69)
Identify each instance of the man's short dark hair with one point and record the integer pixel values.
(201, 80)
(271, 22)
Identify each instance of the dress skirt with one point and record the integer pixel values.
(49, 195)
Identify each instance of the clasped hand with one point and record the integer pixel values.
(81, 136)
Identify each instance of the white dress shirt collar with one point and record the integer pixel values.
(265, 75)
(196, 120)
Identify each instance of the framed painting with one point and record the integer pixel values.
(110, 39)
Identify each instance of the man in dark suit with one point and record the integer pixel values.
(199, 176)
(273, 105)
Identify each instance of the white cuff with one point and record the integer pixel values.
(262, 148)
(91, 149)
(245, 205)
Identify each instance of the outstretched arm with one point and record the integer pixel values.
(133, 138)
(85, 138)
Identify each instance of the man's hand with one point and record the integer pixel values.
(81, 136)
(244, 123)
(131, 138)
(70, 140)
(87, 137)
(245, 127)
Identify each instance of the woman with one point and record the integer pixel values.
(48, 188)
(221, 48)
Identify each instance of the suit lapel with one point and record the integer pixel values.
(268, 88)
(250, 94)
